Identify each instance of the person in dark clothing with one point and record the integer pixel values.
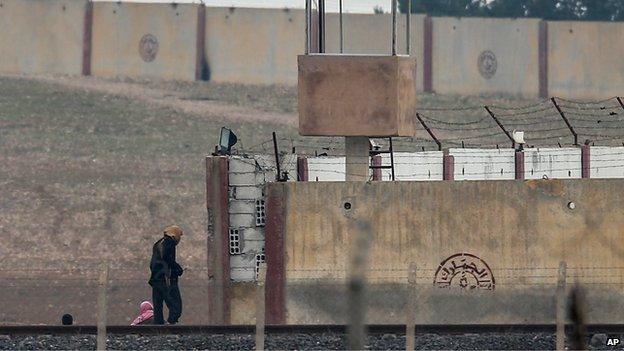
(165, 273)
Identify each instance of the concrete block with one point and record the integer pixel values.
(242, 207)
(242, 165)
(243, 261)
(252, 246)
(255, 233)
(243, 274)
(247, 179)
(245, 192)
(342, 95)
(243, 267)
(242, 221)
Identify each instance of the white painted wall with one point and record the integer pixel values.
(606, 162)
(479, 164)
(327, 169)
(483, 164)
(249, 175)
(559, 163)
(413, 166)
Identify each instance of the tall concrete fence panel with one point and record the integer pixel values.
(585, 59)
(148, 40)
(254, 46)
(481, 55)
(486, 251)
(39, 36)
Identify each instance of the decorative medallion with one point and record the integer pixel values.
(148, 47)
(464, 271)
(487, 64)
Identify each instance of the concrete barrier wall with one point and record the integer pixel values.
(552, 163)
(422, 166)
(254, 46)
(479, 164)
(38, 37)
(148, 40)
(326, 169)
(479, 55)
(505, 237)
(607, 162)
(584, 59)
(468, 56)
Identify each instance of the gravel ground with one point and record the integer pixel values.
(511, 341)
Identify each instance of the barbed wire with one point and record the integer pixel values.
(597, 122)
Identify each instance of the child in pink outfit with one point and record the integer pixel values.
(147, 314)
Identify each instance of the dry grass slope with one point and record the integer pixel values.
(88, 175)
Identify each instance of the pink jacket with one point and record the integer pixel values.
(147, 314)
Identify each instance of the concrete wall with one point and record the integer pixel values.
(476, 164)
(254, 46)
(607, 162)
(512, 233)
(413, 166)
(120, 28)
(326, 169)
(260, 46)
(39, 36)
(552, 163)
(459, 43)
(483, 164)
(585, 59)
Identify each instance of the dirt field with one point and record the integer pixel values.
(94, 169)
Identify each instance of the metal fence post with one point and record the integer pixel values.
(560, 302)
(394, 27)
(357, 285)
(102, 307)
(260, 307)
(410, 332)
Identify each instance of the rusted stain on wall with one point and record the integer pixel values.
(553, 187)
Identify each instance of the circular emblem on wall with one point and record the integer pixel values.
(464, 271)
(148, 47)
(487, 64)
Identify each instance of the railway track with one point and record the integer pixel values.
(300, 329)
